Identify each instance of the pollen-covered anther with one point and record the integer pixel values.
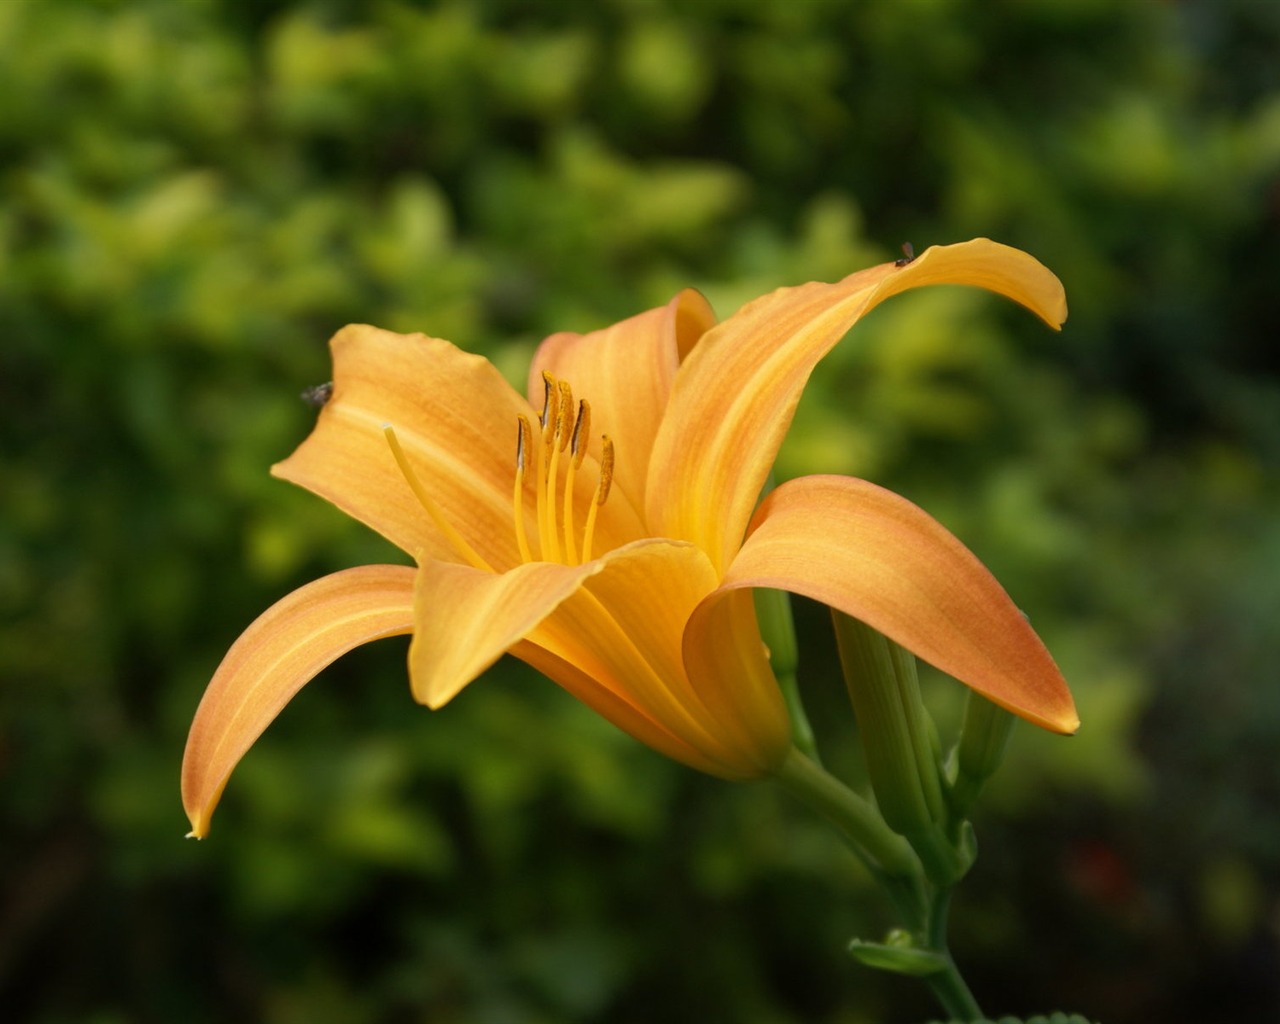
(564, 424)
(549, 393)
(581, 431)
(602, 495)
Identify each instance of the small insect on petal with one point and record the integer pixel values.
(908, 254)
(319, 395)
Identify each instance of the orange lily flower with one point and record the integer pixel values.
(607, 529)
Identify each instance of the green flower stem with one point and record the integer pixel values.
(944, 862)
(947, 985)
(896, 866)
(889, 857)
(777, 628)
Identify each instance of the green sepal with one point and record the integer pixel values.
(898, 954)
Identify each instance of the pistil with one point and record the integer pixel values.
(577, 452)
(546, 506)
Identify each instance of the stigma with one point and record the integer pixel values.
(554, 458)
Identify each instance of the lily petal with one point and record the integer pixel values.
(629, 627)
(877, 557)
(455, 416)
(609, 631)
(467, 619)
(735, 395)
(613, 707)
(274, 658)
(625, 373)
(728, 662)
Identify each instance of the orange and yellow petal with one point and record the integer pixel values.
(625, 373)
(879, 558)
(466, 619)
(615, 707)
(274, 658)
(455, 417)
(626, 629)
(734, 396)
(610, 632)
(728, 663)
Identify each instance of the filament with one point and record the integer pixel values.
(524, 440)
(602, 495)
(563, 436)
(460, 545)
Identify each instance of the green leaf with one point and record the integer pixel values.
(900, 959)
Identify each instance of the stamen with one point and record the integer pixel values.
(557, 440)
(524, 441)
(548, 422)
(433, 510)
(563, 420)
(581, 428)
(548, 393)
(602, 495)
(577, 451)
(606, 471)
(561, 430)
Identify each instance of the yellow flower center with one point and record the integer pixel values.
(561, 430)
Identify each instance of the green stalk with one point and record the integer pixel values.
(948, 985)
(778, 630)
(888, 856)
(923, 950)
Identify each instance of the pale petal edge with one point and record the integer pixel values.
(283, 650)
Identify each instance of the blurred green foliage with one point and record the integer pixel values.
(196, 194)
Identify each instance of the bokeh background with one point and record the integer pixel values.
(194, 194)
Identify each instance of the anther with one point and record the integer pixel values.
(524, 440)
(581, 430)
(602, 495)
(606, 471)
(548, 394)
(565, 414)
